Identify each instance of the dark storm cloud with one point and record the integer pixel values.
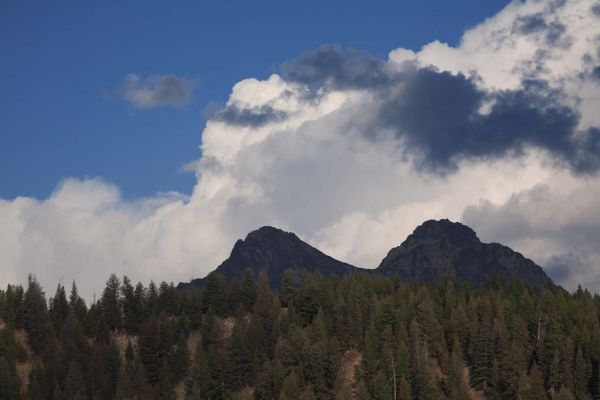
(342, 69)
(438, 116)
(596, 9)
(254, 117)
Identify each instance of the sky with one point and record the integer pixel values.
(144, 139)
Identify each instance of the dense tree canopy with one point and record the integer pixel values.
(363, 336)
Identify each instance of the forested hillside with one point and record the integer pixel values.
(363, 337)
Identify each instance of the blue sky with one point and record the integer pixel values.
(63, 62)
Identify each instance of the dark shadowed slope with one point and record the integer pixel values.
(274, 251)
(449, 250)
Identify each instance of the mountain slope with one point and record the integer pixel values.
(444, 249)
(274, 251)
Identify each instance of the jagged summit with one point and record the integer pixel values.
(450, 250)
(454, 233)
(274, 250)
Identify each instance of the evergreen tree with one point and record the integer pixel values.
(75, 386)
(10, 384)
(130, 306)
(215, 294)
(482, 354)
(241, 356)
(248, 290)
(457, 389)
(77, 305)
(110, 303)
(168, 299)
(381, 387)
(35, 391)
(200, 385)
(59, 307)
(150, 349)
(537, 390)
(37, 321)
(290, 388)
(581, 375)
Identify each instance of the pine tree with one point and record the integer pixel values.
(165, 390)
(179, 358)
(215, 294)
(370, 361)
(130, 306)
(381, 387)
(404, 389)
(75, 387)
(537, 390)
(73, 342)
(168, 299)
(151, 353)
(241, 356)
(59, 307)
(35, 391)
(37, 321)
(110, 303)
(457, 389)
(288, 286)
(10, 384)
(248, 290)
(113, 366)
(482, 354)
(581, 375)
(152, 299)
(200, 385)
(77, 304)
(290, 387)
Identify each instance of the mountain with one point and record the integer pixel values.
(274, 251)
(435, 250)
(444, 249)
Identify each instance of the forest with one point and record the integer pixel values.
(357, 337)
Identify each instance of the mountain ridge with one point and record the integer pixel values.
(435, 250)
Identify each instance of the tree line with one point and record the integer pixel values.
(432, 341)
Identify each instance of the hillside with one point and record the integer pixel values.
(358, 337)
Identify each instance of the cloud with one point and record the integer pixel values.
(235, 115)
(156, 91)
(536, 24)
(556, 223)
(439, 115)
(352, 152)
(596, 72)
(338, 68)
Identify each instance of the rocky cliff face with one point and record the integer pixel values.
(274, 251)
(449, 250)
